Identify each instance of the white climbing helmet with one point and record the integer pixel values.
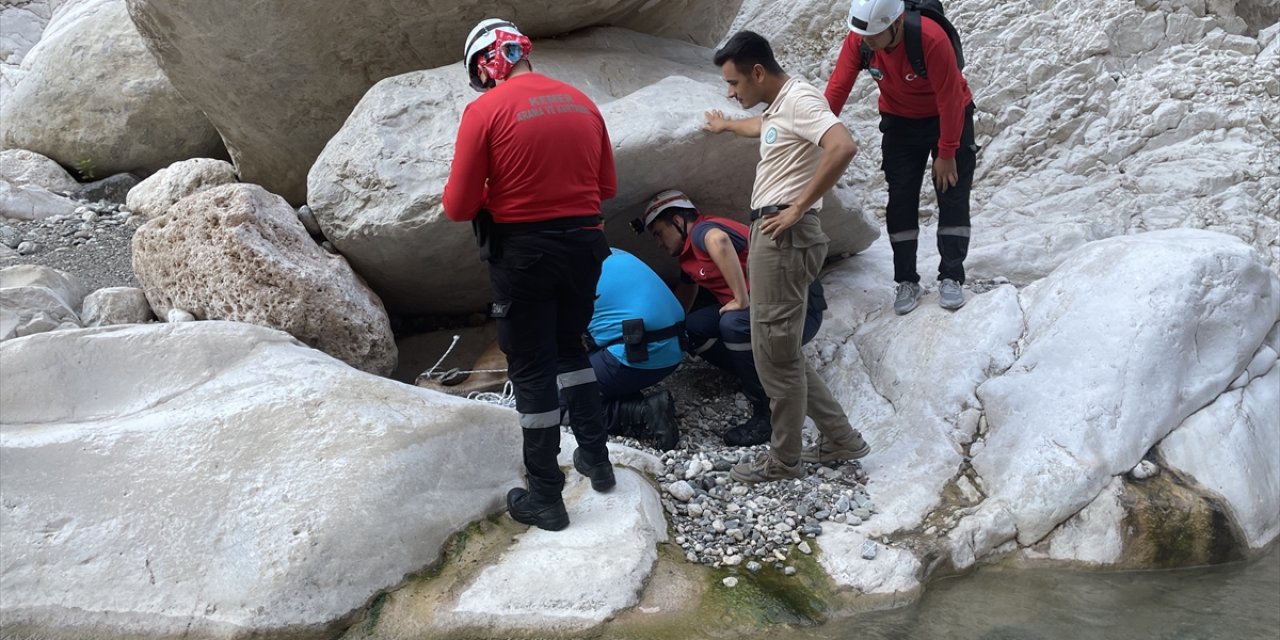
(485, 35)
(870, 17)
(657, 204)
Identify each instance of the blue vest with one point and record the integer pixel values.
(628, 289)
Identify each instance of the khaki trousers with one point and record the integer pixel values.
(780, 274)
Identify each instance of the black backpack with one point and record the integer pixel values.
(911, 35)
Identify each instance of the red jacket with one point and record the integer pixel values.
(530, 149)
(698, 265)
(945, 93)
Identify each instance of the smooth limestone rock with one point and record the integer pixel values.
(92, 97)
(1095, 535)
(21, 168)
(153, 197)
(1229, 448)
(234, 62)
(600, 567)
(219, 480)
(32, 203)
(493, 585)
(35, 299)
(23, 20)
(116, 305)
(886, 375)
(1125, 368)
(236, 252)
(892, 572)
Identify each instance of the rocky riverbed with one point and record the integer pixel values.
(92, 244)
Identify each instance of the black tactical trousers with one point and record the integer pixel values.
(908, 144)
(544, 285)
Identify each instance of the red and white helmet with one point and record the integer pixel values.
(495, 45)
(661, 202)
(869, 17)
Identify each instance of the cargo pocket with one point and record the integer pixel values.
(780, 326)
(809, 246)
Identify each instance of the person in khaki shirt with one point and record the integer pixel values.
(803, 151)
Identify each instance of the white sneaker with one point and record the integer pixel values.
(950, 295)
(907, 298)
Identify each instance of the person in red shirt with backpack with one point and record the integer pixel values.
(531, 165)
(926, 109)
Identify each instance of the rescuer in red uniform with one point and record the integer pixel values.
(531, 165)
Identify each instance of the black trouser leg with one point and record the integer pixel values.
(906, 154)
(953, 209)
(544, 292)
(575, 302)
(542, 470)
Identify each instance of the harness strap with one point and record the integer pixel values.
(674, 331)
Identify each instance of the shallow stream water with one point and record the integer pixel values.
(1239, 601)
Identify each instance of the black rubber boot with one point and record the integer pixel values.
(600, 473)
(537, 509)
(756, 430)
(653, 418)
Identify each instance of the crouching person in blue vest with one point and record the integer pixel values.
(633, 343)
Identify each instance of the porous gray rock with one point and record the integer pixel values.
(154, 196)
(236, 252)
(92, 97)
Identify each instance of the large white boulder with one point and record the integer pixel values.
(92, 98)
(154, 196)
(376, 188)
(223, 480)
(1123, 342)
(35, 299)
(236, 252)
(236, 61)
(1018, 416)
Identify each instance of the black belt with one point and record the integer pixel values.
(554, 225)
(776, 208)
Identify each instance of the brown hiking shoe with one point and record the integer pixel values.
(832, 450)
(764, 468)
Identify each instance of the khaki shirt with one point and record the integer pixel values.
(790, 130)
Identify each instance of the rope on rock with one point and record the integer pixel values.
(506, 398)
(455, 375)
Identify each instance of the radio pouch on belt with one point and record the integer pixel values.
(486, 244)
(633, 340)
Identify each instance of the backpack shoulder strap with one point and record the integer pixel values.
(911, 38)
